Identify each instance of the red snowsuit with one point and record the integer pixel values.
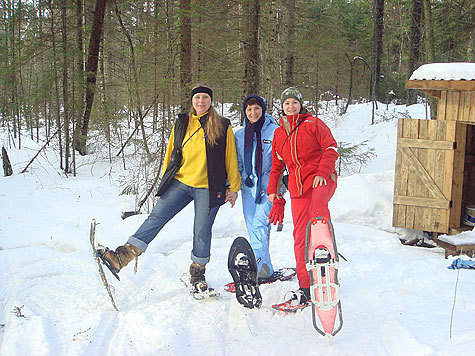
(307, 147)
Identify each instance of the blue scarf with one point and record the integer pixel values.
(249, 131)
(248, 142)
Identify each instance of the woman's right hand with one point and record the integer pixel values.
(272, 197)
(231, 197)
(319, 181)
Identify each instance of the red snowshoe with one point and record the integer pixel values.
(322, 259)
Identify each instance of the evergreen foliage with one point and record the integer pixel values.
(352, 157)
(139, 60)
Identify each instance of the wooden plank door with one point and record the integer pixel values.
(428, 178)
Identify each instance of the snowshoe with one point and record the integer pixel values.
(242, 266)
(321, 258)
(97, 258)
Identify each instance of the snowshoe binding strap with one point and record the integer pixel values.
(106, 263)
(201, 290)
(293, 302)
(247, 291)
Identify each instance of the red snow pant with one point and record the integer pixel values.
(313, 203)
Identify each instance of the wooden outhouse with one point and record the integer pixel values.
(435, 159)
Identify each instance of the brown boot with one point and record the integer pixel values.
(116, 260)
(197, 273)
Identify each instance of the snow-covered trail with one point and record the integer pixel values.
(396, 300)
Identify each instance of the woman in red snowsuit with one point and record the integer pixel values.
(306, 146)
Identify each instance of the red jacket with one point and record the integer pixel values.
(310, 150)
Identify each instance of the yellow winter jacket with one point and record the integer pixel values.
(193, 171)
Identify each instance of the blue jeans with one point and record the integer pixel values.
(177, 196)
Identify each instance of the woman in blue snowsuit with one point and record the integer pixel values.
(256, 136)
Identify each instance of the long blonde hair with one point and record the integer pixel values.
(214, 126)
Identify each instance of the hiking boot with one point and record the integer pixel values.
(116, 260)
(304, 294)
(299, 299)
(264, 273)
(197, 274)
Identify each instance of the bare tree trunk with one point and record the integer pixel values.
(197, 69)
(352, 63)
(415, 40)
(91, 70)
(43, 65)
(290, 43)
(471, 46)
(185, 54)
(430, 49)
(78, 85)
(105, 104)
(19, 83)
(5, 105)
(378, 26)
(429, 31)
(13, 82)
(271, 54)
(66, 119)
(79, 43)
(317, 86)
(337, 81)
(350, 86)
(56, 86)
(251, 47)
(155, 64)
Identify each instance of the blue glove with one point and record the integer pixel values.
(459, 263)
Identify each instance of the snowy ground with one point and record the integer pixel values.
(397, 300)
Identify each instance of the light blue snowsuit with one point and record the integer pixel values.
(255, 214)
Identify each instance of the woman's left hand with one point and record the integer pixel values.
(319, 181)
(231, 197)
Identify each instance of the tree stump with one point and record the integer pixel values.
(7, 166)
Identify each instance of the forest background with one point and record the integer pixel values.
(75, 73)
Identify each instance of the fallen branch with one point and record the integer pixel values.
(41, 149)
(17, 312)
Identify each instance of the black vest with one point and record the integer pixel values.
(215, 160)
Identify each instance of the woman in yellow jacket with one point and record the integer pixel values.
(200, 166)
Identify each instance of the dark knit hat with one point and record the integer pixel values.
(260, 101)
(291, 92)
(202, 89)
